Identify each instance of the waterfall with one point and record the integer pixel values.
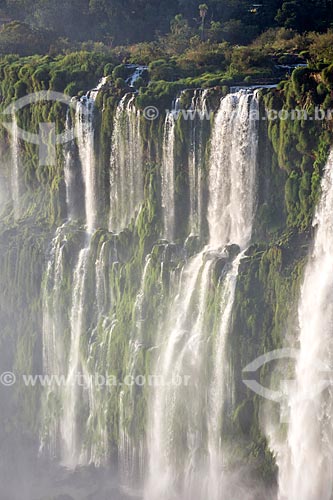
(73, 427)
(98, 451)
(234, 143)
(53, 340)
(86, 144)
(199, 108)
(72, 439)
(83, 409)
(220, 391)
(168, 175)
(130, 453)
(71, 392)
(306, 460)
(126, 172)
(186, 454)
(15, 168)
(182, 423)
(69, 173)
(102, 285)
(137, 73)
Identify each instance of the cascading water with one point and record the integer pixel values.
(182, 450)
(64, 436)
(168, 175)
(231, 209)
(98, 451)
(137, 73)
(102, 286)
(86, 144)
(126, 197)
(305, 460)
(69, 173)
(53, 340)
(72, 449)
(126, 172)
(199, 108)
(131, 454)
(15, 170)
(182, 425)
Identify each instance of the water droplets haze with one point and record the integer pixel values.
(186, 455)
(181, 469)
(168, 176)
(126, 171)
(305, 459)
(15, 170)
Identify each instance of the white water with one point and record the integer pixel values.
(53, 340)
(182, 452)
(131, 453)
(180, 414)
(168, 176)
(65, 432)
(102, 286)
(234, 143)
(196, 161)
(72, 452)
(92, 94)
(97, 361)
(221, 388)
(15, 169)
(73, 427)
(86, 143)
(69, 172)
(306, 460)
(137, 73)
(126, 171)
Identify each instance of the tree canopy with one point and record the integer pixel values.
(115, 22)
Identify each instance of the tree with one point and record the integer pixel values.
(203, 9)
(305, 16)
(177, 41)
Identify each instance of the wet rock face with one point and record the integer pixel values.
(232, 250)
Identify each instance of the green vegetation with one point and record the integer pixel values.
(185, 45)
(112, 22)
(33, 26)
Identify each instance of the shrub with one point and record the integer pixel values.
(20, 89)
(72, 89)
(120, 83)
(162, 70)
(120, 71)
(108, 69)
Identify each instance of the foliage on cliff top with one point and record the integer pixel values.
(115, 22)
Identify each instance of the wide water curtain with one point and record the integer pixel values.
(186, 457)
(306, 459)
(122, 304)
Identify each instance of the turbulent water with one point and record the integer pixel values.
(159, 237)
(15, 180)
(181, 442)
(126, 171)
(72, 452)
(84, 119)
(69, 173)
(168, 176)
(196, 161)
(306, 459)
(177, 445)
(63, 435)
